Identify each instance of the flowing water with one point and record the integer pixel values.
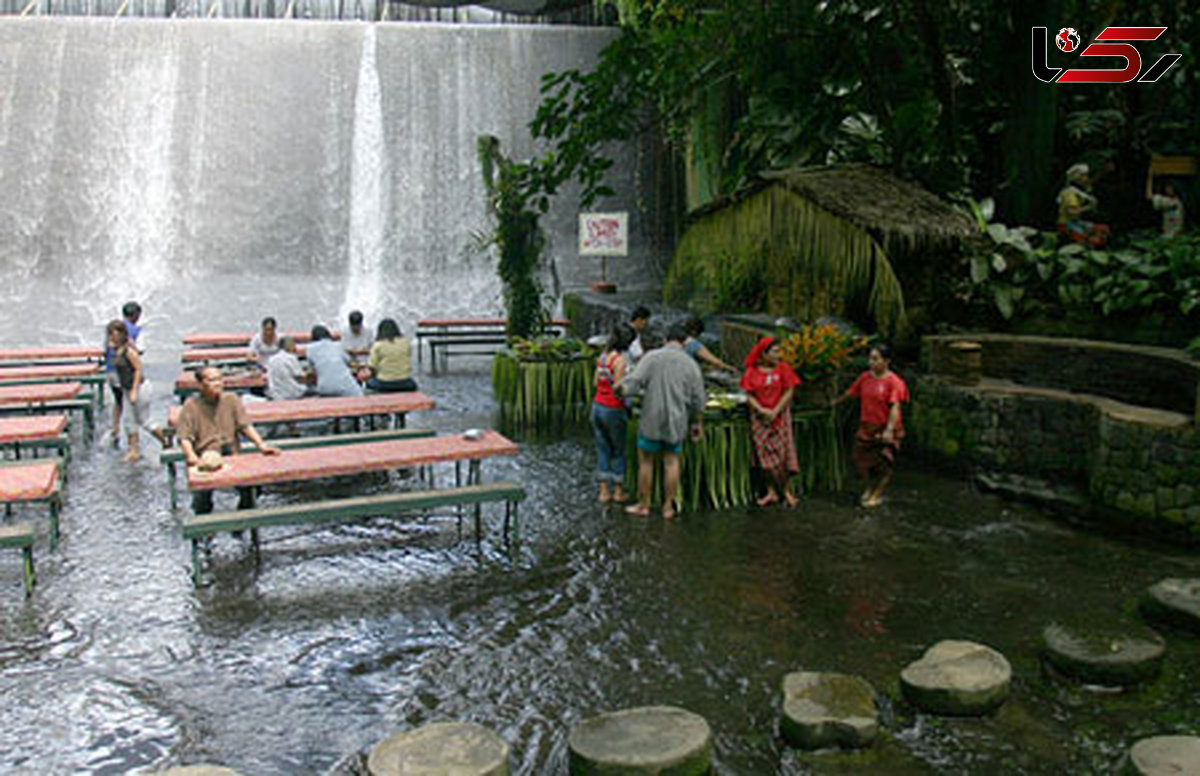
(220, 172)
(344, 635)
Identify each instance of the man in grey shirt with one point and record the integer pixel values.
(331, 366)
(673, 398)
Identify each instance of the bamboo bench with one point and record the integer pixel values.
(201, 527)
(172, 458)
(21, 535)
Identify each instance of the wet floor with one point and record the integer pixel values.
(344, 635)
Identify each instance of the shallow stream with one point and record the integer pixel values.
(345, 635)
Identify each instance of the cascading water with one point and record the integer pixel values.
(221, 171)
(369, 196)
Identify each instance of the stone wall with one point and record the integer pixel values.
(1107, 460)
(1162, 378)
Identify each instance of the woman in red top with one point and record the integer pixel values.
(608, 414)
(769, 383)
(881, 392)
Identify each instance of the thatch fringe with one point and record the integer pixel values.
(817, 263)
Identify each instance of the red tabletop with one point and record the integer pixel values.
(36, 394)
(313, 462)
(224, 354)
(213, 339)
(255, 379)
(50, 352)
(480, 322)
(33, 427)
(330, 407)
(28, 482)
(49, 371)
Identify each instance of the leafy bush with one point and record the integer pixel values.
(1024, 273)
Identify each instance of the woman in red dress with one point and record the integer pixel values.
(880, 392)
(769, 383)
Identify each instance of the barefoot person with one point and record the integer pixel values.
(769, 384)
(673, 399)
(134, 409)
(880, 392)
(609, 420)
(211, 423)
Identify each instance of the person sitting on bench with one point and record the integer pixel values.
(331, 365)
(390, 365)
(286, 378)
(212, 421)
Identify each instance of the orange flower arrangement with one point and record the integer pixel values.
(817, 351)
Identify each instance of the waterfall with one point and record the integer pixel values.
(220, 171)
(369, 195)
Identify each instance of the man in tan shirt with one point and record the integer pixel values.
(212, 421)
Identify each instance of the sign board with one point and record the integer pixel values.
(603, 234)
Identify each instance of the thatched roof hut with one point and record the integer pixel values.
(843, 240)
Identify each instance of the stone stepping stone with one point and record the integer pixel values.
(199, 770)
(1110, 656)
(1164, 756)
(957, 678)
(442, 748)
(823, 710)
(642, 742)
(1176, 601)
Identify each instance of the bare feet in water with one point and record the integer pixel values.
(637, 510)
(131, 456)
(791, 499)
(619, 496)
(768, 500)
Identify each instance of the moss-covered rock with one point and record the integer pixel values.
(1106, 655)
(1174, 601)
(649, 741)
(824, 709)
(958, 678)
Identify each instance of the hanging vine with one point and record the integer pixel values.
(517, 237)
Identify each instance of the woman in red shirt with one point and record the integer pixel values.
(880, 392)
(609, 419)
(769, 383)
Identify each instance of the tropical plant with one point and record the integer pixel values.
(541, 391)
(817, 351)
(517, 236)
(1024, 272)
(716, 472)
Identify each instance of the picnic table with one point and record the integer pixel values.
(242, 339)
(300, 464)
(204, 356)
(26, 482)
(314, 462)
(51, 354)
(480, 335)
(329, 408)
(249, 380)
(35, 432)
(88, 373)
(40, 398)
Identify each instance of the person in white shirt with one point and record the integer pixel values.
(265, 343)
(358, 339)
(286, 378)
(639, 319)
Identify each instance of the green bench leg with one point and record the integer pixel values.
(30, 575)
(55, 506)
(88, 424)
(196, 562)
(171, 476)
(478, 522)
